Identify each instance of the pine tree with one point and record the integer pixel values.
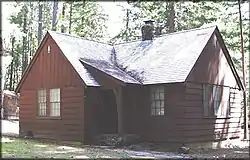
(54, 18)
(40, 21)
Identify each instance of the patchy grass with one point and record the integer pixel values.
(27, 148)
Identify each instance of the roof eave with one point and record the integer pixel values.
(229, 59)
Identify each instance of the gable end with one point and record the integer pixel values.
(28, 68)
(229, 59)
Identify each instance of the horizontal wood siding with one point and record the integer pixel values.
(194, 125)
(52, 70)
(212, 66)
(184, 121)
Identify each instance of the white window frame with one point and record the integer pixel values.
(157, 101)
(42, 103)
(55, 96)
(215, 98)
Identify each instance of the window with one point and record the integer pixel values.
(41, 102)
(48, 48)
(157, 100)
(55, 102)
(216, 100)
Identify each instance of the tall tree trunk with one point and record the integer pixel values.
(54, 16)
(1, 54)
(30, 46)
(243, 75)
(12, 63)
(24, 57)
(40, 12)
(17, 66)
(70, 16)
(171, 17)
(63, 18)
(127, 23)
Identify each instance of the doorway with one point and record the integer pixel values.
(108, 116)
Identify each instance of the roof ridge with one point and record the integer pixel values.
(75, 36)
(178, 32)
(174, 33)
(188, 30)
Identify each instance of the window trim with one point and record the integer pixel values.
(213, 115)
(54, 102)
(37, 101)
(48, 49)
(48, 105)
(153, 90)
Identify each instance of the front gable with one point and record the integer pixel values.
(49, 70)
(215, 66)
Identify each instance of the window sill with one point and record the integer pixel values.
(48, 117)
(215, 117)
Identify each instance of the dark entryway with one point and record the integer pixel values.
(108, 113)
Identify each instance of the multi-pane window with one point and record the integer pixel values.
(41, 97)
(55, 102)
(157, 100)
(216, 100)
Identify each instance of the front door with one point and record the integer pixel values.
(108, 117)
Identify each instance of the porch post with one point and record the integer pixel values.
(118, 95)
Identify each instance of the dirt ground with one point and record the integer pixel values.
(11, 148)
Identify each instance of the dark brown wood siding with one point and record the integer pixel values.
(212, 66)
(158, 128)
(52, 70)
(183, 121)
(193, 126)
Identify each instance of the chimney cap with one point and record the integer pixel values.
(148, 21)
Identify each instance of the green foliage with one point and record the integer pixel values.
(88, 20)
(47, 16)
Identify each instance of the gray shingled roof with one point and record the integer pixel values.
(75, 48)
(166, 59)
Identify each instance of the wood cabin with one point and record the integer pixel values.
(10, 108)
(180, 87)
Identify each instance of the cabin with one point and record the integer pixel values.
(10, 108)
(176, 88)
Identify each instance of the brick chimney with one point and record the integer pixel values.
(147, 30)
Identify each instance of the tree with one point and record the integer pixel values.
(47, 16)
(12, 63)
(88, 20)
(70, 15)
(40, 22)
(163, 13)
(63, 18)
(132, 22)
(25, 31)
(171, 17)
(54, 17)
